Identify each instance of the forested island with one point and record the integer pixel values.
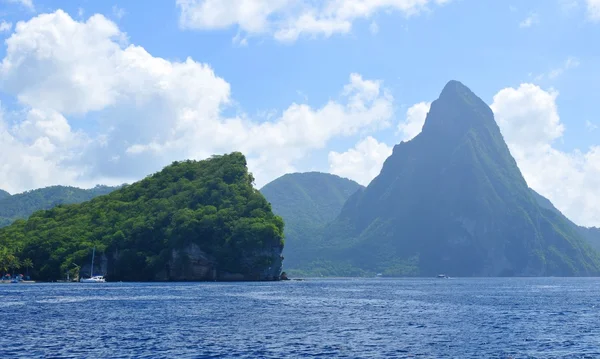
(194, 220)
(451, 200)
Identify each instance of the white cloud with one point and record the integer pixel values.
(530, 124)
(147, 111)
(33, 153)
(361, 163)
(286, 20)
(570, 63)
(5, 26)
(26, 3)
(593, 9)
(531, 20)
(567, 6)
(374, 28)
(590, 126)
(118, 12)
(415, 118)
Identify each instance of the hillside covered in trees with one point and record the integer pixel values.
(22, 205)
(194, 220)
(306, 202)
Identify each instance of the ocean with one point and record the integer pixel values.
(315, 318)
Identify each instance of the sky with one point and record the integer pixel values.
(107, 92)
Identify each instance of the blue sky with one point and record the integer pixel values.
(84, 127)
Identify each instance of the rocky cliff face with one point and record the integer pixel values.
(193, 264)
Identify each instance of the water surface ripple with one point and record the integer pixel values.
(320, 318)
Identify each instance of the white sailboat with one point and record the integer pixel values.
(93, 278)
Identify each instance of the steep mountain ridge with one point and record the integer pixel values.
(453, 200)
(591, 234)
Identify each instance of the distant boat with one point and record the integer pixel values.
(93, 278)
(442, 276)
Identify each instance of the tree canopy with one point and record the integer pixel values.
(22, 205)
(135, 229)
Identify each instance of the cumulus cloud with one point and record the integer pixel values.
(286, 20)
(415, 118)
(361, 163)
(593, 8)
(530, 124)
(146, 111)
(33, 153)
(5, 26)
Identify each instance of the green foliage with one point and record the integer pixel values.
(4, 194)
(307, 202)
(9, 262)
(22, 205)
(591, 235)
(211, 204)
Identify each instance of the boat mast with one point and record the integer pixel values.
(92, 269)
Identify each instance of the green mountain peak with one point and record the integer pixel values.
(453, 200)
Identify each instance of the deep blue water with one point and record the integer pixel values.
(331, 318)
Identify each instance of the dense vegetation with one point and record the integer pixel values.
(22, 205)
(306, 202)
(4, 194)
(138, 229)
(452, 200)
(592, 235)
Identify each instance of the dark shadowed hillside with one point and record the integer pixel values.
(306, 202)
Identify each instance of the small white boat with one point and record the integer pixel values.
(94, 279)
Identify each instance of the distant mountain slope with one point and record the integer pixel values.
(22, 205)
(4, 194)
(452, 200)
(193, 220)
(592, 235)
(306, 202)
